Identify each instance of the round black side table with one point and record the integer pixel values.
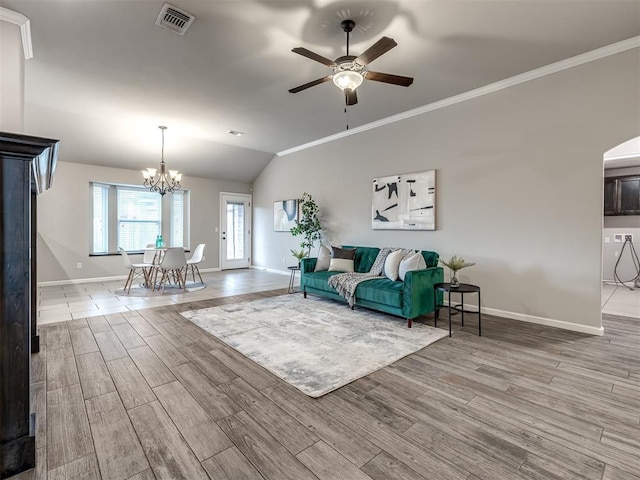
(462, 288)
(292, 280)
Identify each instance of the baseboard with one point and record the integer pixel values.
(81, 280)
(103, 279)
(548, 322)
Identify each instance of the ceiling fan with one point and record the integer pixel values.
(349, 71)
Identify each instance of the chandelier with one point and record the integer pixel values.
(162, 182)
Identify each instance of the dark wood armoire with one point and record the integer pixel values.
(27, 165)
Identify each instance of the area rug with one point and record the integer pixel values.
(316, 345)
(142, 291)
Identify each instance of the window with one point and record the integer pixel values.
(131, 217)
(139, 217)
(100, 221)
(177, 219)
(235, 231)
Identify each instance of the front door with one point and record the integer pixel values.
(235, 230)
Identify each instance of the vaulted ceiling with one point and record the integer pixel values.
(104, 76)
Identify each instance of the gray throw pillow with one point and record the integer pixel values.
(324, 259)
(346, 253)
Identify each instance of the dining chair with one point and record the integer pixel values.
(192, 263)
(149, 254)
(172, 264)
(151, 260)
(132, 270)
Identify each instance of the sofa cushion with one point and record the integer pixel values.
(392, 264)
(341, 265)
(431, 258)
(324, 259)
(413, 261)
(381, 290)
(364, 259)
(319, 280)
(346, 253)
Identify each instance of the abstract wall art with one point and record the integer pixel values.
(404, 202)
(285, 214)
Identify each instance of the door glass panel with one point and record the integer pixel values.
(235, 231)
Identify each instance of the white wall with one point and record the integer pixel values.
(519, 187)
(64, 220)
(11, 78)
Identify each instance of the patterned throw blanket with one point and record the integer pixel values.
(346, 283)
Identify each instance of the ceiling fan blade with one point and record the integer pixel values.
(314, 56)
(388, 78)
(350, 96)
(374, 51)
(311, 84)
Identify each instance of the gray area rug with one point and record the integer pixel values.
(314, 344)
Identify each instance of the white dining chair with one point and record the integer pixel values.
(151, 259)
(133, 267)
(172, 264)
(149, 254)
(192, 263)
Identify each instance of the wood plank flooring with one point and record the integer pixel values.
(147, 395)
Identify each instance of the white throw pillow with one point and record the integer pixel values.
(392, 265)
(341, 265)
(411, 262)
(324, 259)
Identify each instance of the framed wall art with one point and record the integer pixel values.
(285, 214)
(404, 202)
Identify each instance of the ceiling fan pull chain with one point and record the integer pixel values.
(346, 114)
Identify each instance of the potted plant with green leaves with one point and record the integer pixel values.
(299, 255)
(454, 264)
(308, 225)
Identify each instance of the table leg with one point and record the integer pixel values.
(479, 316)
(436, 310)
(462, 310)
(292, 281)
(449, 313)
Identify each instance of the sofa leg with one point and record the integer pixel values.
(304, 294)
(409, 323)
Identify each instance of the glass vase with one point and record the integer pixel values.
(454, 280)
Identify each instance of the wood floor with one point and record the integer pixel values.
(146, 394)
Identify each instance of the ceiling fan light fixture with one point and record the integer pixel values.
(348, 80)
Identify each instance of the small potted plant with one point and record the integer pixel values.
(299, 255)
(454, 264)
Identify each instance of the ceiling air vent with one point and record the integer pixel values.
(174, 19)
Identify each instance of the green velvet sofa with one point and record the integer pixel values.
(407, 299)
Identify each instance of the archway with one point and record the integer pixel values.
(621, 230)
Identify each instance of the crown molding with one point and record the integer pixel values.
(24, 23)
(606, 51)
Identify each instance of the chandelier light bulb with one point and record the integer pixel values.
(348, 79)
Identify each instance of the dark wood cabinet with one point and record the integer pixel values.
(622, 195)
(26, 169)
(610, 196)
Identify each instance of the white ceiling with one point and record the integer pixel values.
(104, 76)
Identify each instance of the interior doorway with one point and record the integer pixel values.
(235, 230)
(621, 230)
